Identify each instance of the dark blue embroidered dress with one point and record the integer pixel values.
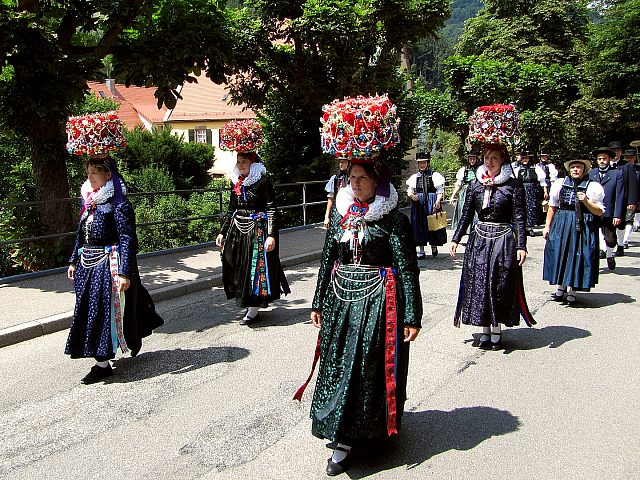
(571, 255)
(91, 333)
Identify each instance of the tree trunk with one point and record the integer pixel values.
(49, 156)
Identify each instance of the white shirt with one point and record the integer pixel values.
(595, 192)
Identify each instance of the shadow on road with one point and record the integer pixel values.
(153, 364)
(532, 338)
(603, 299)
(432, 432)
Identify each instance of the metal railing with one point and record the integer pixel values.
(221, 208)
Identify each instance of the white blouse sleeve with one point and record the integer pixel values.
(595, 192)
(411, 183)
(554, 193)
(329, 187)
(541, 175)
(438, 182)
(460, 177)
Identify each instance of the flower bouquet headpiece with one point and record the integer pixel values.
(241, 136)
(95, 134)
(495, 124)
(359, 128)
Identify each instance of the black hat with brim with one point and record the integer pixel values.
(606, 150)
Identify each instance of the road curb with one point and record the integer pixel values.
(61, 321)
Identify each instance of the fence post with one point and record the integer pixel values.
(220, 204)
(304, 203)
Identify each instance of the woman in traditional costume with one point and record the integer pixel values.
(251, 269)
(464, 176)
(534, 180)
(425, 189)
(571, 254)
(491, 289)
(112, 309)
(367, 302)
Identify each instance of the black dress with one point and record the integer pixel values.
(350, 402)
(491, 288)
(93, 331)
(251, 275)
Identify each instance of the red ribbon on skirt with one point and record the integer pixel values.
(391, 334)
(390, 353)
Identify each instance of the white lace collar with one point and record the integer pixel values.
(485, 179)
(102, 195)
(256, 171)
(377, 209)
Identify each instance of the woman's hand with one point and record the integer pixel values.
(410, 333)
(316, 318)
(326, 222)
(545, 233)
(123, 283)
(414, 197)
(522, 256)
(270, 244)
(453, 199)
(219, 240)
(71, 271)
(452, 249)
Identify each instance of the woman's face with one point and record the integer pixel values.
(493, 161)
(363, 185)
(525, 160)
(243, 162)
(97, 176)
(343, 163)
(472, 160)
(576, 170)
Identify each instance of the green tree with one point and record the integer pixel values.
(613, 71)
(49, 49)
(535, 31)
(292, 57)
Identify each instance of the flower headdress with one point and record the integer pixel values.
(495, 124)
(95, 134)
(359, 128)
(241, 136)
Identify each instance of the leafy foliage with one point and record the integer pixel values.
(293, 57)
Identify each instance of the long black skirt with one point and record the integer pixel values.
(491, 288)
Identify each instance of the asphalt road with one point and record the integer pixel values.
(210, 399)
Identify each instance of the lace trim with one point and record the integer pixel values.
(377, 209)
(484, 178)
(256, 171)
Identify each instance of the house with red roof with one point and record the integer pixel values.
(197, 117)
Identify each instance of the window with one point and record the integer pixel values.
(200, 135)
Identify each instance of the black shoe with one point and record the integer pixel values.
(336, 468)
(485, 344)
(434, 251)
(97, 374)
(620, 251)
(611, 263)
(421, 256)
(557, 298)
(571, 299)
(250, 320)
(135, 351)
(626, 245)
(603, 255)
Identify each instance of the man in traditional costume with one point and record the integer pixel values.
(367, 302)
(335, 183)
(251, 268)
(112, 309)
(612, 182)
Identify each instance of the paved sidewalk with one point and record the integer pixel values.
(43, 305)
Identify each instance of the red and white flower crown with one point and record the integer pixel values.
(495, 124)
(359, 128)
(95, 134)
(241, 136)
